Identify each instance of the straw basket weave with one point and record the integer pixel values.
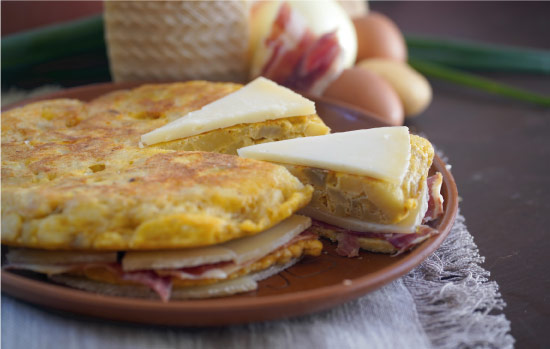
(177, 40)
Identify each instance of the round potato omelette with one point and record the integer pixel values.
(74, 177)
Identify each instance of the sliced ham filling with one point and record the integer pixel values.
(320, 57)
(298, 58)
(288, 40)
(160, 280)
(435, 200)
(222, 270)
(162, 285)
(348, 243)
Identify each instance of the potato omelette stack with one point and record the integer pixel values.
(85, 204)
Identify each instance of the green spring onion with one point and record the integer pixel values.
(458, 77)
(477, 56)
(67, 52)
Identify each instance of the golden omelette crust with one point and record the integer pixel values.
(74, 177)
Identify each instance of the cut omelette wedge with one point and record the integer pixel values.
(259, 112)
(371, 187)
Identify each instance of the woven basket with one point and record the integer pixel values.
(177, 40)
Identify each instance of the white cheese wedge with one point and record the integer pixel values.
(258, 101)
(257, 246)
(406, 226)
(172, 259)
(383, 153)
(241, 250)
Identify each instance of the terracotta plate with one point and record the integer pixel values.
(312, 285)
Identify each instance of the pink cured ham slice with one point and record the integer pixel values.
(348, 244)
(288, 40)
(298, 58)
(148, 278)
(161, 285)
(315, 63)
(435, 200)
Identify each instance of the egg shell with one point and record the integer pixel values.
(378, 36)
(366, 90)
(413, 88)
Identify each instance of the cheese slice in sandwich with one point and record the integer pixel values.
(370, 186)
(201, 272)
(261, 111)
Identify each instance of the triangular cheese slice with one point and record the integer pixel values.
(381, 153)
(258, 101)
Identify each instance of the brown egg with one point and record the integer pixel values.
(413, 88)
(368, 91)
(378, 36)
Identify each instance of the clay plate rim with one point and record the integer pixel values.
(224, 311)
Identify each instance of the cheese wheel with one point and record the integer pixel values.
(177, 40)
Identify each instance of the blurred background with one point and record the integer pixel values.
(488, 111)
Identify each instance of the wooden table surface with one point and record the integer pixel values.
(499, 149)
